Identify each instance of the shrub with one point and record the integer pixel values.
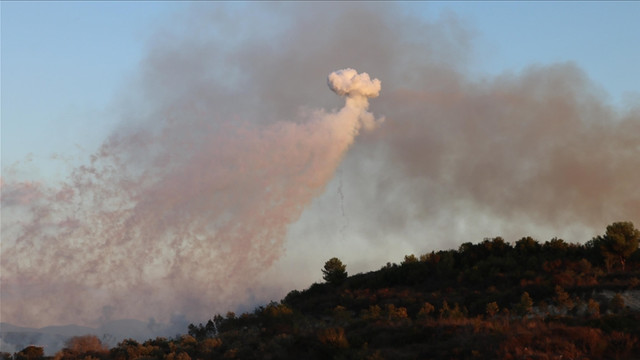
(593, 307)
(333, 337)
(525, 304)
(425, 310)
(617, 303)
(492, 309)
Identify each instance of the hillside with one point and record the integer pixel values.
(492, 299)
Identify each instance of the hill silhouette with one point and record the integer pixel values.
(488, 300)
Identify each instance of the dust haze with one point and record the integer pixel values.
(224, 164)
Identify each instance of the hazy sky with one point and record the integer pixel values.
(63, 62)
(156, 146)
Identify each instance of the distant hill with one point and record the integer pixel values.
(52, 338)
(14, 338)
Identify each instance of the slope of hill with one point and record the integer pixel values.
(490, 300)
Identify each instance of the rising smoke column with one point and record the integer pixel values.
(150, 228)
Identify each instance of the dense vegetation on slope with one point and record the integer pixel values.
(487, 300)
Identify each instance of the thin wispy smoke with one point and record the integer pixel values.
(220, 153)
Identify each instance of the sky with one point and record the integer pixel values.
(51, 52)
(168, 159)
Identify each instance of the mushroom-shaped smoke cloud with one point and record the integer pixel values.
(357, 88)
(348, 82)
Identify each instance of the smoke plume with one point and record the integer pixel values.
(151, 222)
(220, 171)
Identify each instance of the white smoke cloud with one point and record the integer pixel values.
(348, 82)
(357, 88)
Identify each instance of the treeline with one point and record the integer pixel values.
(493, 299)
